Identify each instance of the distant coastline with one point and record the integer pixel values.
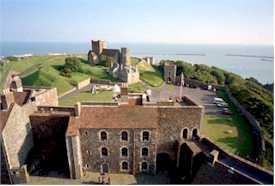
(244, 55)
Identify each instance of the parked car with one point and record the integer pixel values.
(226, 111)
(218, 100)
(222, 104)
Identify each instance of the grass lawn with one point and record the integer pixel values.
(150, 75)
(45, 71)
(230, 132)
(136, 88)
(154, 79)
(86, 96)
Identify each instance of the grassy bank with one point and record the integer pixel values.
(233, 132)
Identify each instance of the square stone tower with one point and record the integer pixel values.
(170, 71)
(98, 46)
(125, 57)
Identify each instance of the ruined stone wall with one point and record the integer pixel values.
(17, 135)
(172, 121)
(47, 98)
(91, 149)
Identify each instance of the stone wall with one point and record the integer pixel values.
(47, 98)
(170, 71)
(172, 121)
(83, 83)
(91, 146)
(236, 160)
(255, 126)
(17, 138)
(18, 127)
(220, 174)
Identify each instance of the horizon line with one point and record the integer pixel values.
(141, 42)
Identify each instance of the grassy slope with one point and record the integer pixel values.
(86, 96)
(150, 75)
(230, 132)
(136, 88)
(49, 72)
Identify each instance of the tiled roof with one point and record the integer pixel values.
(115, 117)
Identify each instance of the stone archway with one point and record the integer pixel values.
(163, 162)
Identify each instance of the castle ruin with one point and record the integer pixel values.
(120, 67)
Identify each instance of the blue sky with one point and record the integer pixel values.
(154, 21)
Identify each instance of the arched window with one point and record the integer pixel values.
(195, 134)
(145, 136)
(104, 151)
(185, 133)
(144, 151)
(124, 151)
(124, 136)
(124, 166)
(144, 166)
(103, 136)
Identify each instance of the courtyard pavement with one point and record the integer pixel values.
(92, 178)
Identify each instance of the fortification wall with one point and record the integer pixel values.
(238, 161)
(172, 121)
(220, 174)
(255, 126)
(47, 98)
(18, 127)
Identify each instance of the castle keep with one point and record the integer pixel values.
(119, 61)
(131, 136)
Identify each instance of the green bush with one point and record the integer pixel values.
(12, 58)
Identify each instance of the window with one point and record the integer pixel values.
(124, 136)
(124, 166)
(103, 136)
(144, 151)
(195, 134)
(104, 151)
(145, 136)
(104, 168)
(144, 166)
(185, 133)
(124, 152)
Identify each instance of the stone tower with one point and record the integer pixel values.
(125, 57)
(170, 71)
(98, 46)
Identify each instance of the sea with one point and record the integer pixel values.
(246, 60)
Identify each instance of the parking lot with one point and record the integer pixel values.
(200, 96)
